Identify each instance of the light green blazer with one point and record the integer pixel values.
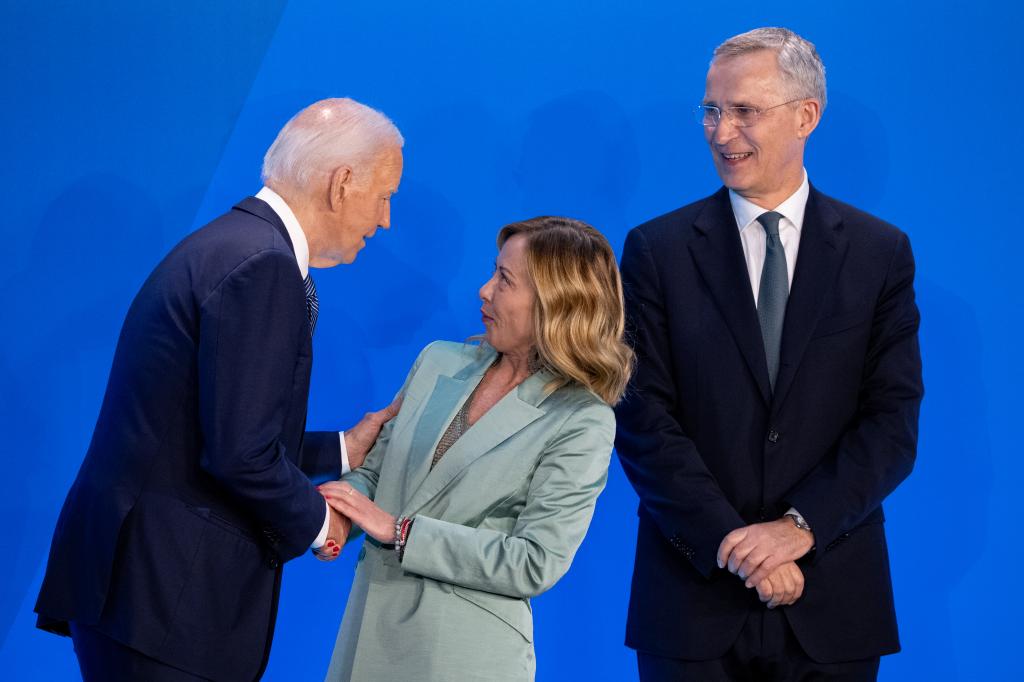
(497, 521)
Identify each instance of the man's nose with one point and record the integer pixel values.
(384, 220)
(725, 131)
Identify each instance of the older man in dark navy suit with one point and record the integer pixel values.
(166, 560)
(775, 402)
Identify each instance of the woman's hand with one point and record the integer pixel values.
(360, 509)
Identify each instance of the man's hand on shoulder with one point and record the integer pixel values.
(361, 437)
(783, 586)
(755, 551)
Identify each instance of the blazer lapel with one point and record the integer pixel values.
(449, 393)
(511, 414)
(719, 257)
(822, 248)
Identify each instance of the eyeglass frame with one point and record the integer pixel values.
(701, 110)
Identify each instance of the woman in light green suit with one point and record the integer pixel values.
(478, 494)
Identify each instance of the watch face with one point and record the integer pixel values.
(799, 521)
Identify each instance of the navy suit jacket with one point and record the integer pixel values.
(195, 487)
(709, 447)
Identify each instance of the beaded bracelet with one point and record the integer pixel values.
(402, 526)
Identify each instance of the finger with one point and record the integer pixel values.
(330, 547)
(322, 556)
(344, 492)
(739, 554)
(799, 591)
(765, 590)
(785, 591)
(394, 407)
(382, 417)
(766, 568)
(346, 488)
(342, 505)
(796, 583)
(728, 543)
(355, 516)
(330, 487)
(750, 564)
(351, 501)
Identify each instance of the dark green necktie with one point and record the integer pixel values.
(773, 293)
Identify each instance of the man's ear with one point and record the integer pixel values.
(341, 179)
(808, 117)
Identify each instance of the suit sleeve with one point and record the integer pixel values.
(661, 461)
(570, 474)
(877, 452)
(321, 455)
(250, 335)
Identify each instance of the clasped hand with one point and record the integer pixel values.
(337, 532)
(360, 510)
(764, 556)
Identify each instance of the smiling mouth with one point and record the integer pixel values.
(736, 157)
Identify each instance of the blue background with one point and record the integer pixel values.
(127, 125)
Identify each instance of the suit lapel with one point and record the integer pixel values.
(719, 257)
(511, 414)
(822, 248)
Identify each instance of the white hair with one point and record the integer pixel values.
(798, 60)
(327, 134)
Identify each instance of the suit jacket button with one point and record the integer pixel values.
(773, 436)
(274, 562)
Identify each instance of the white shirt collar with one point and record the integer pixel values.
(291, 223)
(792, 209)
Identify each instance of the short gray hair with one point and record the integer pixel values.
(799, 63)
(325, 135)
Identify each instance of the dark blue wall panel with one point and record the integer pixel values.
(130, 124)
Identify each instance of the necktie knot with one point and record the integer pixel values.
(770, 222)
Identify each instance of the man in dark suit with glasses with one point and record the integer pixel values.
(775, 402)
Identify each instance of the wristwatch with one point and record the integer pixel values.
(799, 521)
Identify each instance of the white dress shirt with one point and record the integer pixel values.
(301, 246)
(753, 237)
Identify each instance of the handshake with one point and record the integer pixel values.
(346, 505)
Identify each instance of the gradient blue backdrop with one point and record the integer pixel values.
(127, 125)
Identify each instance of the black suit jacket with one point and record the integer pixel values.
(195, 487)
(709, 447)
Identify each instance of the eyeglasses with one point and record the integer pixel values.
(710, 116)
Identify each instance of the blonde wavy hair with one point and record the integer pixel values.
(579, 315)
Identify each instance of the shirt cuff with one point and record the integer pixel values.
(321, 539)
(345, 468)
